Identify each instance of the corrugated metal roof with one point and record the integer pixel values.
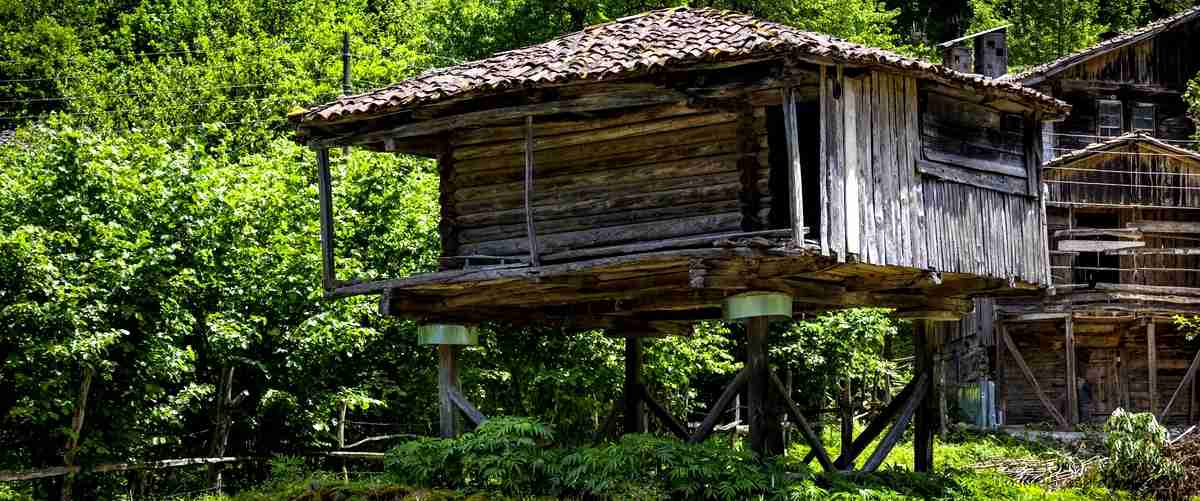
(669, 38)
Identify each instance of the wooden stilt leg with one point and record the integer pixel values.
(634, 422)
(926, 414)
(447, 382)
(766, 437)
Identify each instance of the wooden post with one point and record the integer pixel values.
(1072, 386)
(325, 198)
(447, 382)
(795, 181)
(1152, 359)
(765, 436)
(633, 381)
(926, 412)
(846, 411)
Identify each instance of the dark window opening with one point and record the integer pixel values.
(1110, 120)
(1097, 267)
(808, 125)
(1143, 118)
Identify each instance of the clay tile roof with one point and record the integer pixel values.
(668, 38)
(1131, 139)
(1036, 74)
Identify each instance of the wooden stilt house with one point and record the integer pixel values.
(690, 164)
(1122, 183)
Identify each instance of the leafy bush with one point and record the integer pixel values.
(1136, 443)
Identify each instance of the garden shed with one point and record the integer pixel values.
(689, 164)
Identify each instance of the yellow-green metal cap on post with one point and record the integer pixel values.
(447, 334)
(774, 305)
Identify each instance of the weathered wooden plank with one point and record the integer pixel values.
(599, 178)
(823, 106)
(478, 233)
(1165, 226)
(553, 160)
(971, 158)
(1029, 377)
(920, 247)
(903, 177)
(626, 129)
(499, 115)
(1003, 184)
(595, 206)
(610, 235)
(724, 172)
(550, 126)
(851, 89)
(325, 200)
(887, 160)
(1096, 245)
(866, 139)
(879, 173)
(1131, 233)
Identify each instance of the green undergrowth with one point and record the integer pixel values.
(515, 458)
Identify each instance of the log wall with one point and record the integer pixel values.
(652, 174)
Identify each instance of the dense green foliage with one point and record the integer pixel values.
(157, 226)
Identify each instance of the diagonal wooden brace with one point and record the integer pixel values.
(466, 407)
(663, 415)
(718, 408)
(893, 435)
(847, 458)
(805, 430)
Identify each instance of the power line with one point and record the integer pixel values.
(1123, 153)
(1092, 136)
(136, 94)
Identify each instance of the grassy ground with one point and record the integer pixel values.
(954, 478)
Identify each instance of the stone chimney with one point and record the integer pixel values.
(958, 58)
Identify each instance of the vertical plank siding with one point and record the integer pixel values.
(896, 216)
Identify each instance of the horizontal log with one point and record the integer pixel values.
(973, 158)
(573, 155)
(1132, 233)
(988, 180)
(1169, 251)
(1165, 226)
(618, 131)
(558, 125)
(597, 206)
(673, 243)
(656, 230)
(1096, 245)
(498, 115)
(598, 178)
(569, 223)
(560, 197)
(602, 160)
